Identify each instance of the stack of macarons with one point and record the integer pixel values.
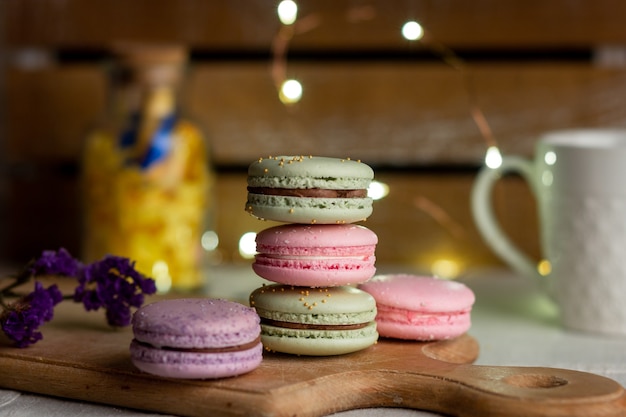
(317, 257)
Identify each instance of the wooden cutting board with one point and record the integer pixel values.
(81, 358)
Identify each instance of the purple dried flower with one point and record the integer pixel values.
(114, 284)
(22, 319)
(55, 263)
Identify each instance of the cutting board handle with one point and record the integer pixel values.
(471, 390)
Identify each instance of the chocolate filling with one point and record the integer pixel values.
(309, 192)
(236, 348)
(289, 325)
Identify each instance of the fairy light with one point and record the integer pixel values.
(547, 178)
(493, 157)
(377, 190)
(550, 158)
(445, 268)
(161, 276)
(209, 240)
(290, 91)
(287, 12)
(247, 245)
(412, 31)
(544, 268)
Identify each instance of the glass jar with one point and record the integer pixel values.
(146, 172)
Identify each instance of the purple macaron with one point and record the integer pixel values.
(196, 338)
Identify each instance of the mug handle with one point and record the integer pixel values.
(485, 219)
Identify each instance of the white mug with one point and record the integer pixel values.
(579, 180)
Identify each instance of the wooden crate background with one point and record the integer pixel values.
(529, 66)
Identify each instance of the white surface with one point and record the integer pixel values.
(514, 324)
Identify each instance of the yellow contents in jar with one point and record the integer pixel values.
(154, 215)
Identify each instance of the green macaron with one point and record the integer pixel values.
(315, 321)
(309, 189)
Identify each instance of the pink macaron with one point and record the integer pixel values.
(420, 308)
(196, 338)
(322, 255)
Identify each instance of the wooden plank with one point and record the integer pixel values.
(332, 25)
(222, 24)
(385, 114)
(79, 359)
(42, 211)
(390, 114)
(399, 114)
(50, 110)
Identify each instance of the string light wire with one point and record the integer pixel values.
(292, 26)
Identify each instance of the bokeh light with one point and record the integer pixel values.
(493, 157)
(412, 31)
(290, 91)
(377, 190)
(161, 276)
(247, 245)
(445, 268)
(287, 12)
(209, 240)
(550, 158)
(544, 268)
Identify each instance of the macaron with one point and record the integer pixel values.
(315, 321)
(196, 338)
(420, 308)
(309, 189)
(316, 255)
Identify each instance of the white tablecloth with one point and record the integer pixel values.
(514, 324)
